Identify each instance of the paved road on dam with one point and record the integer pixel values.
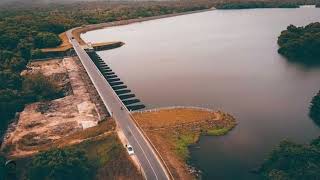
(151, 164)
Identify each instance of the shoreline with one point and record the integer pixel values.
(173, 129)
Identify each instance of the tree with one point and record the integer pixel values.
(293, 161)
(8, 41)
(61, 164)
(25, 49)
(38, 87)
(10, 103)
(46, 39)
(314, 112)
(37, 54)
(2, 167)
(9, 80)
(301, 43)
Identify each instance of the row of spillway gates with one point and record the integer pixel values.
(117, 85)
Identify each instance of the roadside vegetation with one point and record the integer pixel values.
(301, 44)
(314, 112)
(97, 155)
(98, 158)
(293, 161)
(59, 164)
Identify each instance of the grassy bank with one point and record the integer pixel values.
(172, 131)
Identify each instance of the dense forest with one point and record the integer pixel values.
(314, 112)
(301, 43)
(23, 30)
(257, 4)
(293, 161)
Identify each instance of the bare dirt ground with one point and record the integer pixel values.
(43, 123)
(64, 46)
(172, 130)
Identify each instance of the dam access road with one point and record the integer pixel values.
(152, 167)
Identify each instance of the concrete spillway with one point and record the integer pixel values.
(130, 101)
(136, 107)
(117, 85)
(105, 70)
(124, 91)
(109, 73)
(111, 76)
(126, 96)
(113, 79)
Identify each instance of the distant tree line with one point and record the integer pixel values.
(257, 4)
(291, 161)
(301, 43)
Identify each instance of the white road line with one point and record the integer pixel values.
(143, 152)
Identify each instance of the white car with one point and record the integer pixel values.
(129, 149)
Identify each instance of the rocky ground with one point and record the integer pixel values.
(43, 123)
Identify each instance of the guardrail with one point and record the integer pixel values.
(174, 107)
(140, 130)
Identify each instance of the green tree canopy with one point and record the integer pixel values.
(2, 167)
(38, 87)
(60, 164)
(293, 161)
(9, 80)
(314, 112)
(301, 43)
(46, 39)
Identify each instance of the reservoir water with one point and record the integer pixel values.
(227, 60)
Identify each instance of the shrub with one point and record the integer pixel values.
(38, 87)
(46, 39)
(61, 164)
(293, 161)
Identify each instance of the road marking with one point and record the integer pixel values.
(143, 152)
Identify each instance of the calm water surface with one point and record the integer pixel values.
(223, 60)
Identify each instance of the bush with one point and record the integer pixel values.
(37, 54)
(10, 103)
(46, 39)
(218, 131)
(61, 164)
(293, 161)
(38, 87)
